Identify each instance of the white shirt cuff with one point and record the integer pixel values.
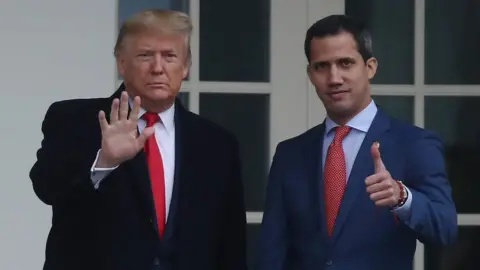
(98, 174)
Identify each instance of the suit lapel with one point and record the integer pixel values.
(139, 171)
(362, 168)
(182, 173)
(315, 169)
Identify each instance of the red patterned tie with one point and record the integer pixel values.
(155, 168)
(335, 177)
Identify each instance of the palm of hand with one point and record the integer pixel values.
(120, 139)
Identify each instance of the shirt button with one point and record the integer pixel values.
(156, 261)
(329, 263)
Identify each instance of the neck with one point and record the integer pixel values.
(342, 118)
(157, 106)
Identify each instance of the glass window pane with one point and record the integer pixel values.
(247, 116)
(452, 31)
(461, 256)
(453, 120)
(253, 231)
(391, 24)
(184, 99)
(235, 40)
(400, 107)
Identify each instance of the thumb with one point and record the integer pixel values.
(142, 138)
(377, 159)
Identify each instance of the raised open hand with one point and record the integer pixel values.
(120, 139)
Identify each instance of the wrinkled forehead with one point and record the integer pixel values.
(156, 39)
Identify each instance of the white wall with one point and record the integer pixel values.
(50, 50)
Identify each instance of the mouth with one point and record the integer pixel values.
(157, 85)
(338, 94)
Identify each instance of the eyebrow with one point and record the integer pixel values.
(153, 50)
(349, 58)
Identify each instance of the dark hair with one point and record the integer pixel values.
(335, 24)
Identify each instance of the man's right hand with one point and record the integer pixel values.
(120, 139)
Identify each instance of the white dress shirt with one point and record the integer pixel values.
(165, 137)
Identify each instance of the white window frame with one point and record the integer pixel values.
(294, 106)
(288, 82)
(288, 108)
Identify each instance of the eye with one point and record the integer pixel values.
(346, 62)
(320, 65)
(144, 55)
(170, 57)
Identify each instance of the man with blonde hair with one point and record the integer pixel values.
(136, 181)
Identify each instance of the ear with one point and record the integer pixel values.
(372, 65)
(120, 64)
(185, 72)
(309, 71)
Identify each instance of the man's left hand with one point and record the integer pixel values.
(383, 190)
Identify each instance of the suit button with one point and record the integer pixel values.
(156, 261)
(329, 263)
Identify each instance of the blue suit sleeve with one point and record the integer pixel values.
(273, 236)
(432, 212)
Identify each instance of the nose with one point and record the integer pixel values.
(158, 64)
(334, 76)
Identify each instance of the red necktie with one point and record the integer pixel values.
(155, 168)
(335, 177)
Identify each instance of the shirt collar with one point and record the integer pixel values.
(362, 121)
(167, 116)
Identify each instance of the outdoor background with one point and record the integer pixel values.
(248, 74)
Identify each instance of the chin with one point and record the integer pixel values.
(341, 105)
(159, 93)
(341, 108)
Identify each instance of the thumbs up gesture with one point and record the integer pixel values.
(383, 190)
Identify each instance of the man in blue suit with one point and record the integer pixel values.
(358, 190)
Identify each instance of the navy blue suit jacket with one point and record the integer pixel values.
(366, 237)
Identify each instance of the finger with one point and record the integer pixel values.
(377, 159)
(384, 194)
(142, 138)
(377, 187)
(386, 202)
(382, 183)
(375, 178)
(123, 106)
(114, 111)
(135, 110)
(103, 121)
(372, 179)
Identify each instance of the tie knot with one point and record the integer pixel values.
(340, 133)
(151, 118)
